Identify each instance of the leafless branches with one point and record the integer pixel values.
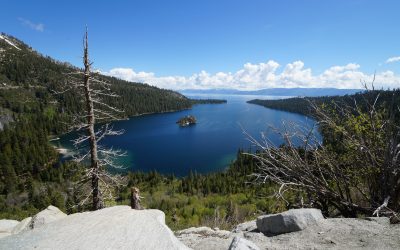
(90, 90)
(356, 169)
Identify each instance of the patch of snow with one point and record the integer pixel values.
(9, 42)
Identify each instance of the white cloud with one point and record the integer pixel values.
(34, 26)
(393, 59)
(264, 75)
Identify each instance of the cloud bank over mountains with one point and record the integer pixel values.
(265, 75)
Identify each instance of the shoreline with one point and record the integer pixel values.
(155, 113)
(172, 110)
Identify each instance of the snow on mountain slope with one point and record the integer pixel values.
(9, 42)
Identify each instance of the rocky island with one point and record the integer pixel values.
(186, 121)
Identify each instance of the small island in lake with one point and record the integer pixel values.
(186, 121)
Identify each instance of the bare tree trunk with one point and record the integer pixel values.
(91, 90)
(97, 201)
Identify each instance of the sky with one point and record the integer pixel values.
(241, 44)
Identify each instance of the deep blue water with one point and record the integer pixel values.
(156, 142)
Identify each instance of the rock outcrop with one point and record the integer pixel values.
(205, 238)
(290, 221)
(50, 214)
(335, 233)
(24, 225)
(121, 227)
(6, 227)
(248, 226)
(206, 231)
(242, 244)
(118, 227)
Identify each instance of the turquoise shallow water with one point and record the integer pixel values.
(156, 142)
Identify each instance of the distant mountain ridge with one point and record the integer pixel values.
(276, 91)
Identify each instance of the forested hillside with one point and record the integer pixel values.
(30, 112)
(301, 105)
(221, 199)
(35, 77)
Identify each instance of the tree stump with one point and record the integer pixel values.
(135, 198)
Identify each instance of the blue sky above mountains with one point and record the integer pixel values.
(239, 44)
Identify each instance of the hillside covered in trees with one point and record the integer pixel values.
(31, 112)
(301, 105)
(28, 80)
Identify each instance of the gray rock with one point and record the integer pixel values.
(118, 227)
(6, 226)
(24, 225)
(4, 234)
(246, 227)
(289, 221)
(50, 214)
(201, 238)
(335, 233)
(242, 244)
(205, 231)
(380, 220)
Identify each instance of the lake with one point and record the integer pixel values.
(156, 142)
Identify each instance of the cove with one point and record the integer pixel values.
(156, 142)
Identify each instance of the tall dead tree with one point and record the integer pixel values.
(90, 88)
(91, 119)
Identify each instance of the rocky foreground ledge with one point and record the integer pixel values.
(121, 227)
(335, 233)
(118, 227)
